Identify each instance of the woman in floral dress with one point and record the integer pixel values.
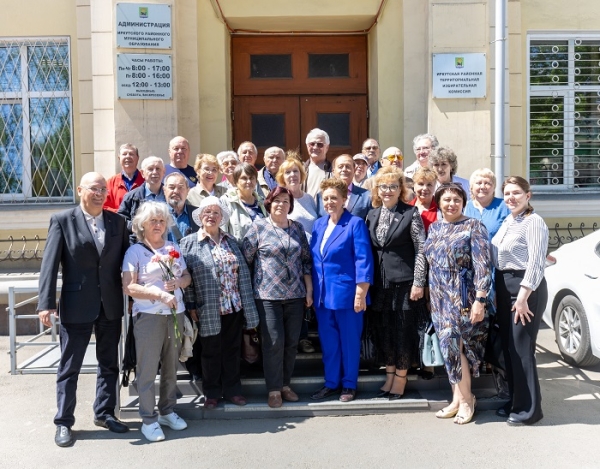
(458, 253)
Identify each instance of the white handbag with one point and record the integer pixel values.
(432, 355)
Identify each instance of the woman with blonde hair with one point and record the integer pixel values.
(207, 170)
(397, 305)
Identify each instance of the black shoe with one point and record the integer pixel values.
(112, 423)
(63, 436)
(348, 395)
(501, 412)
(513, 422)
(382, 395)
(426, 375)
(395, 397)
(324, 392)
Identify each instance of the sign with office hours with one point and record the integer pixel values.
(144, 76)
(459, 75)
(143, 26)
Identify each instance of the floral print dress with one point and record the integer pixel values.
(451, 248)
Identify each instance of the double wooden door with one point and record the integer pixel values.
(284, 121)
(285, 86)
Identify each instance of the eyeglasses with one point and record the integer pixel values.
(96, 190)
(373, 147)
(394, 157)
(230, 163)
(388, 187)
(210, 170)
(316, 144)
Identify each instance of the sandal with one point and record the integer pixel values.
(394, 396)
(382, 393)
(464, 419)
(446, 413)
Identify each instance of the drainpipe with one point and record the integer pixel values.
(499, 114)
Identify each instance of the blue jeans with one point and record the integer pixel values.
(280, 324)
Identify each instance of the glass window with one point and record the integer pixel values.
(328, 65)
(271, 66)
(337, 125)
(564, 113)
(268, 130)
(36, 157)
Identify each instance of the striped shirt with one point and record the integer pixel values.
(521, 244)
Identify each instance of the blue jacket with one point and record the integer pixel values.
(359, 203)
(346, 260)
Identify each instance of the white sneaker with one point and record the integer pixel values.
(153, 432)
(172, 420)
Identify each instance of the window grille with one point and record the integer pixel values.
(564, 112)
(36, 143)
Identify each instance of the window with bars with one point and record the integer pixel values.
(36, 150)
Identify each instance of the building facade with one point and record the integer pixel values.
(270, 70)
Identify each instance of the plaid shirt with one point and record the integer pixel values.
(204, 293)
(278, 260)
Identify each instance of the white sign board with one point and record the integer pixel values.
(459, 75)
(144, 76)
(143, 26)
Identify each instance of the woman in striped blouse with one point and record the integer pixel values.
(519, 254)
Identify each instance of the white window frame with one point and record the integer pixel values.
(568, 111)
(23, 97)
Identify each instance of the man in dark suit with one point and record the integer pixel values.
(176, 191)
(89, 243)
(359, 199)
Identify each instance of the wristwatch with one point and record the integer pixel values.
(481, 299)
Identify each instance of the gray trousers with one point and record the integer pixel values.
(156, 344)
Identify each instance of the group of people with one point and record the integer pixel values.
(229, 247)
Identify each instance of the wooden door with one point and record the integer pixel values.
(344, 118)
(266, 121)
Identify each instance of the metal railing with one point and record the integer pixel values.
(563, 235)
(21, 249)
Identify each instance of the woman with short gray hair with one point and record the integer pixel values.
(154, 274)
(445, 163)
(228, 160)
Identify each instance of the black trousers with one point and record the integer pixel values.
(74, 339)
(518, 342)
(221, 359)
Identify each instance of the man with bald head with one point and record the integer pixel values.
(371, 149)
(89, 244)
(359, 200)
(274, 157)
(179, 155)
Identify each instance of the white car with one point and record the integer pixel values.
(573, 309)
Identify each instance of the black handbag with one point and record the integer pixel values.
(494, 353)
(129, 355)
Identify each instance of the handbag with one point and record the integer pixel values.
(250, 346)
(129, 355)
(494, 353)
(432, 354)
(368, 351)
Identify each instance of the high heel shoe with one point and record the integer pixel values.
(464, 419)
(394, 396)
(384, 394)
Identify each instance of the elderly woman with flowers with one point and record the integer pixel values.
(220, 299)
(153, 275)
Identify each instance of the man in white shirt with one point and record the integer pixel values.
(317, 167)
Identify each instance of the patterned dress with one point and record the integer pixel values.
(450, 248)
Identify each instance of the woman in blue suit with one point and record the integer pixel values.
(342, 272)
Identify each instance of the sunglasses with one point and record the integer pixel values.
(316, 144)
(394, 157)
